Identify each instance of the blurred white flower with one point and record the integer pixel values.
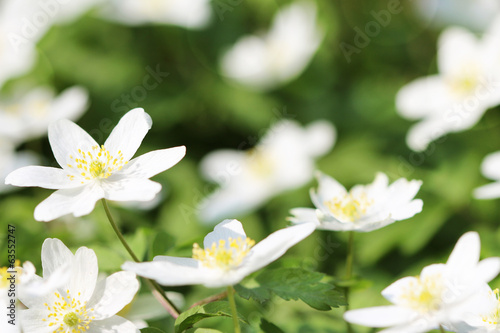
(82, 303)
(12, 160)
(29, 116)
(228, 256)
(91, 172)
(68, 11)
(472, 14)
(185, 13)
(364, 208)
(490, 168)
(282, 160)
(467, 85)
(434, 298)
(269, 60)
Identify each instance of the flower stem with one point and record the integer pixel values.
(441, 329)
(234, 312)
(211, 299)
(155, 288)
(348, 273)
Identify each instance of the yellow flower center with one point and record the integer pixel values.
(492, 317)
(7, 272)
(68, 314)
(424, 295)
(464, 82)
(260, 163)
(224, 254)
(349, 207)
(95, 164)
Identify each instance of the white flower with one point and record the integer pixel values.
(83, 304)
(91, 172)
(467, 85)
(490, 168)
(264, 62)
(29, 117)
(282, 160)
(436, 296)
(184, 13)
(228, 256)
(363, 208)
(473, 14)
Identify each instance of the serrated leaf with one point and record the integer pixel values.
(190, 317)
(293, 284)
(268, 327)
(151, 330)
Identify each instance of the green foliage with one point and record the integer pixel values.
(293, 284)
(151, 330)
(268, 327)
(190, 317)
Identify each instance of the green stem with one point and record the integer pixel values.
(348, 273)
(441, 329)
(234, 312)
(157, 291)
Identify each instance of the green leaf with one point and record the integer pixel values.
(190, 317)
(268, 327)
(203, 330)
(293, 283)
(151, 330)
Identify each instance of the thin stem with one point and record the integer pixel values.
(157, 291)
(441, 329)
(234, 312)
(348, 273)
(211, 299)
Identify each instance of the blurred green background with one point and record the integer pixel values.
(197, 107)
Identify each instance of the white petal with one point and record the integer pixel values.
(406, 211)
(168, 271)
(225, 230)
(394, 290)
(115, 324)
(70, 104)
(328, 189)
(489, 191)
(490, 167)
(465, 254)
(304, 215)
(321, 136)
(275, 245)
(130, 189)
(422, 97)
(54, 255)
(51, 178)
(488, 269)
(129, 133)
(83, 274)
(79, 201)
(113, 293)
(451, 40)
(221, 166)
(66, 138)
(152, 163)
(32, 321)
(380, 316)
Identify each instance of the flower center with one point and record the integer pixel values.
(260, 163)
(464, 82)
(224, 254)
(68, 313)
(349, 207)
(424, 295)
(95, 164)
(492, 317)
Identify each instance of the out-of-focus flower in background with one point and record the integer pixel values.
(28, 116)
(185, 13)
(82, 302)
(91, 172)
(228, 256)
(12, 160)
(472, 14)
(278, 56)
(490, 168)
(436, 297)
(282, 160)
(364, 208)
(456, 98)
